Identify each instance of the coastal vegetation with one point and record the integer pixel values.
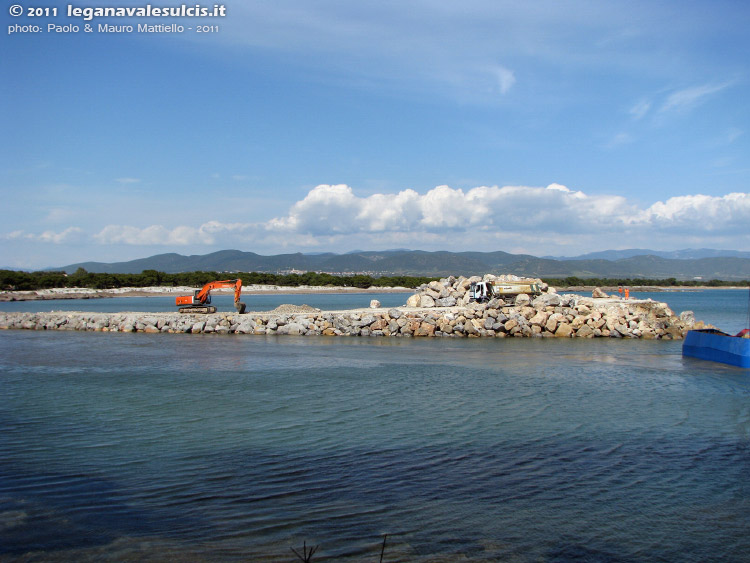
(574, 281)
(12, 280)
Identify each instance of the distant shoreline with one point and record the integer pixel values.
(642, 288)
(85, 293)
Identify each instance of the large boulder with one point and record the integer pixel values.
(564, 331)
(688, 318)
(436, 286)
(426, 301)
(547, 300)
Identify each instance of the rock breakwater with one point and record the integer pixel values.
(549, 315)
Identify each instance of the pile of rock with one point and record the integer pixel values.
(452, 291)
(548, 315)
(440, 308)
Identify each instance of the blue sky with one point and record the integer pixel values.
(551, 127)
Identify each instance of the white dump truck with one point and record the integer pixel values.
(483, 291)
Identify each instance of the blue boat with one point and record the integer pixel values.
(717, 346)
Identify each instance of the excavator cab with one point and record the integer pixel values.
(197, 299)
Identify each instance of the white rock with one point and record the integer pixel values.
(414, 300)
(426, 301)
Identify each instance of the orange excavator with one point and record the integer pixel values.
(200, 301)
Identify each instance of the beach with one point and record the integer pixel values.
(159, 291)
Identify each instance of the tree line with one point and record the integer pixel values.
(572, 281)
(11, 280)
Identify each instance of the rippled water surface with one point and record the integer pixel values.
(208, 447)
(725, 308)
(224, 303)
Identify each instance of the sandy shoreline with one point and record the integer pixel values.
(85, 293)
(645, 288)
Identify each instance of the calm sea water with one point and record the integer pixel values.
(725, 308)
(207, 447)
(327, 301)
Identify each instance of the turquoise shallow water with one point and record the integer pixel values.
(726, 308)
(207, 447)
(224, 303)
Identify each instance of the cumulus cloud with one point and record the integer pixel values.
(152, 235)
(337, 210)
(514, 218)
(701, 214)
(69, 235)
(212, 232)
(537, 217)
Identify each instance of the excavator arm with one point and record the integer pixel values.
(200, 302)
(204, 295)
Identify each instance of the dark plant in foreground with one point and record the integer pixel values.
(305, 557)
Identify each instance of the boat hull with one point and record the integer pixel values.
(717, 347)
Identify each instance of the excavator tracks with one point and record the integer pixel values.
(199, 310)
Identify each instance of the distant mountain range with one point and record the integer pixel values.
(687, 254)
(683, 264)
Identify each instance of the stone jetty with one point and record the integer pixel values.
(438, 309)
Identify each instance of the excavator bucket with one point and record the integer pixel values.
(240, 306)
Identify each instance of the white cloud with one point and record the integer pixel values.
(555, 215)
(212, 232)
(69, 235)
(640, 109)
(152, 235)
(701, 214)
(335, 210)
(619, 140)
(733, 134)
(128, 180)
(536, 220)
(505, 78)
(688, 98)
(17, 235)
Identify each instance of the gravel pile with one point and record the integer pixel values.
(286, 309)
